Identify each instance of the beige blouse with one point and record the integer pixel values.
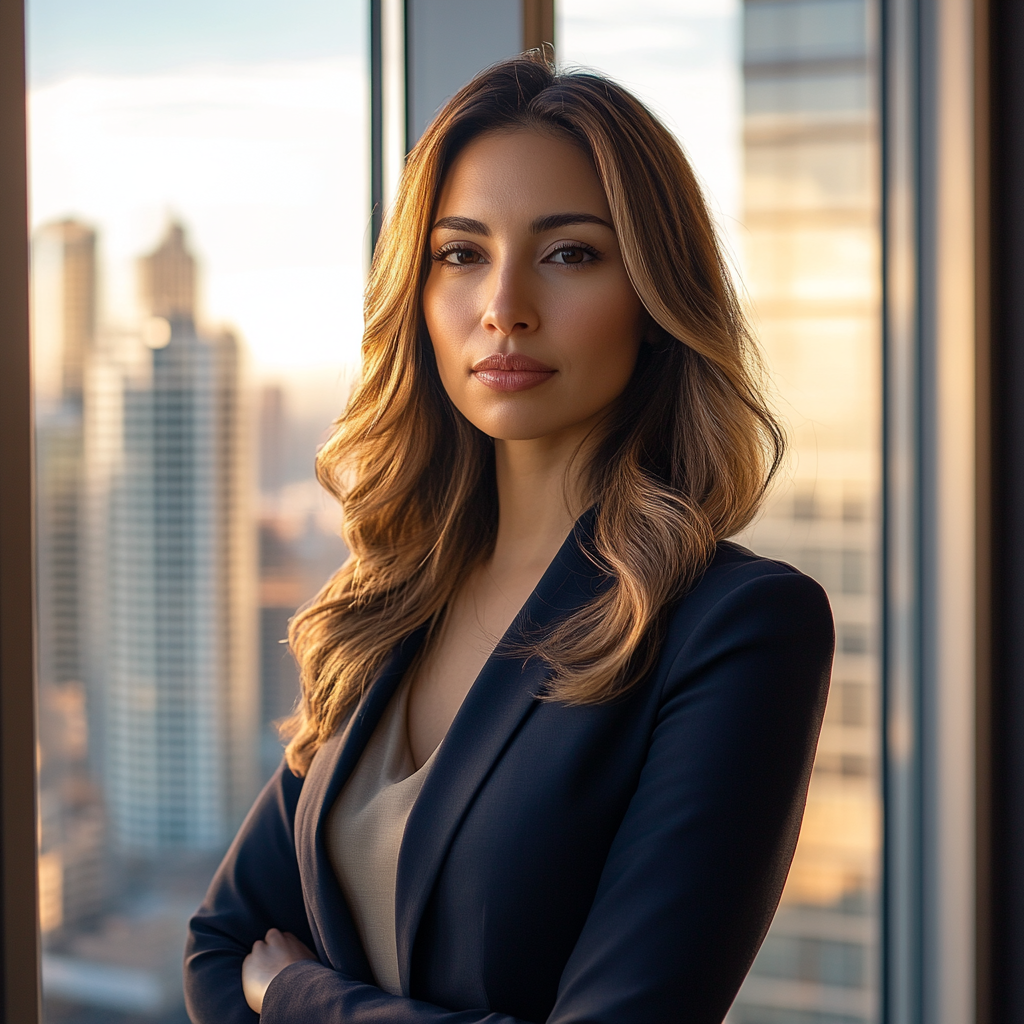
(364, 834)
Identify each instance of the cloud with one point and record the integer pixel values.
(267, 167)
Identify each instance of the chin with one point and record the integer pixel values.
(524, 429)
(517, 432)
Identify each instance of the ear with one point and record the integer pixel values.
(654, 335)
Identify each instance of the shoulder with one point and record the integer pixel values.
(733, 565)
(735, 570)
(744, 598)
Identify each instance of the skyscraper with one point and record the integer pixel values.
(812, 211)
(173, 570)
(71, 851)
(64, 329)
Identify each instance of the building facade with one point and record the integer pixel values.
(72, 876)
(173, 570)
(812, 215)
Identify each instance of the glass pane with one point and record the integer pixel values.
(199, 209)
(776, 103)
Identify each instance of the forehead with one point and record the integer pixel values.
(520, 175)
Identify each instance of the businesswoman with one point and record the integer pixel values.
(555, 731)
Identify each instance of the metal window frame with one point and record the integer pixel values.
(945, 960)
(1000, 204)
(19, 937)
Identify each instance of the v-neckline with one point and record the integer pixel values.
(415, 664)
(502, 695)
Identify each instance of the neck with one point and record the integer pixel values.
(539, 499)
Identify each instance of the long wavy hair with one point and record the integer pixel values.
(682, 461)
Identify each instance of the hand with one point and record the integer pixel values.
(266, 961)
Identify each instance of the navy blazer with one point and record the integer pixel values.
(610, 864)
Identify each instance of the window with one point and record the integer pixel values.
(199, 222)
(776, 101)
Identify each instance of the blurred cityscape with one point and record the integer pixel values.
(179, 527)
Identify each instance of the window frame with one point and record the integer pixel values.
(1000, 269)
(20, 994)
(938, 769)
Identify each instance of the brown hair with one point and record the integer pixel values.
(684, 459)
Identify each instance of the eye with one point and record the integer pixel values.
(459, 256)
(572, 255)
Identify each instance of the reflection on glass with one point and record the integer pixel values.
(187, 174)
(775, 102)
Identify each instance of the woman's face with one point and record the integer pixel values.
(534, 323)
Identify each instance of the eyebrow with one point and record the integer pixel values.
(541, 224)
(561, 220)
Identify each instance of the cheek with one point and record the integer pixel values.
(605, 330)
(449, 325)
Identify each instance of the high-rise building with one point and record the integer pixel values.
(813, 274)
(167, 278)
(71, 851)
(63, 333)
(172, 570)
(63, 310)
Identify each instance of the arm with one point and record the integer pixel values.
(697, 867)
(698, 864)
(307, 991)
(255, 888)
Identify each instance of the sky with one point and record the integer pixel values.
(142, 37)
(248, 122)
(245, 121)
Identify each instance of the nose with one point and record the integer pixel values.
(510, 307)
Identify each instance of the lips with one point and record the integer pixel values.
(511, 371)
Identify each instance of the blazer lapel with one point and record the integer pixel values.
(498, 702)
(334, 931)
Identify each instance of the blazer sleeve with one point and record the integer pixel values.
(697, 866)
(256, 888)
(696, 870)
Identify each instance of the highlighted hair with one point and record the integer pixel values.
(684, 460)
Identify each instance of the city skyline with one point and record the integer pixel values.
(159, 618)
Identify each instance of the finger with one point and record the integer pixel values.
(297, 948)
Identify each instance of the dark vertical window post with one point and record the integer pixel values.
(421, 53)
(19, 939)
(376, 123)
(1001, 251)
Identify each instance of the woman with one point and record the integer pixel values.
(590, 818)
